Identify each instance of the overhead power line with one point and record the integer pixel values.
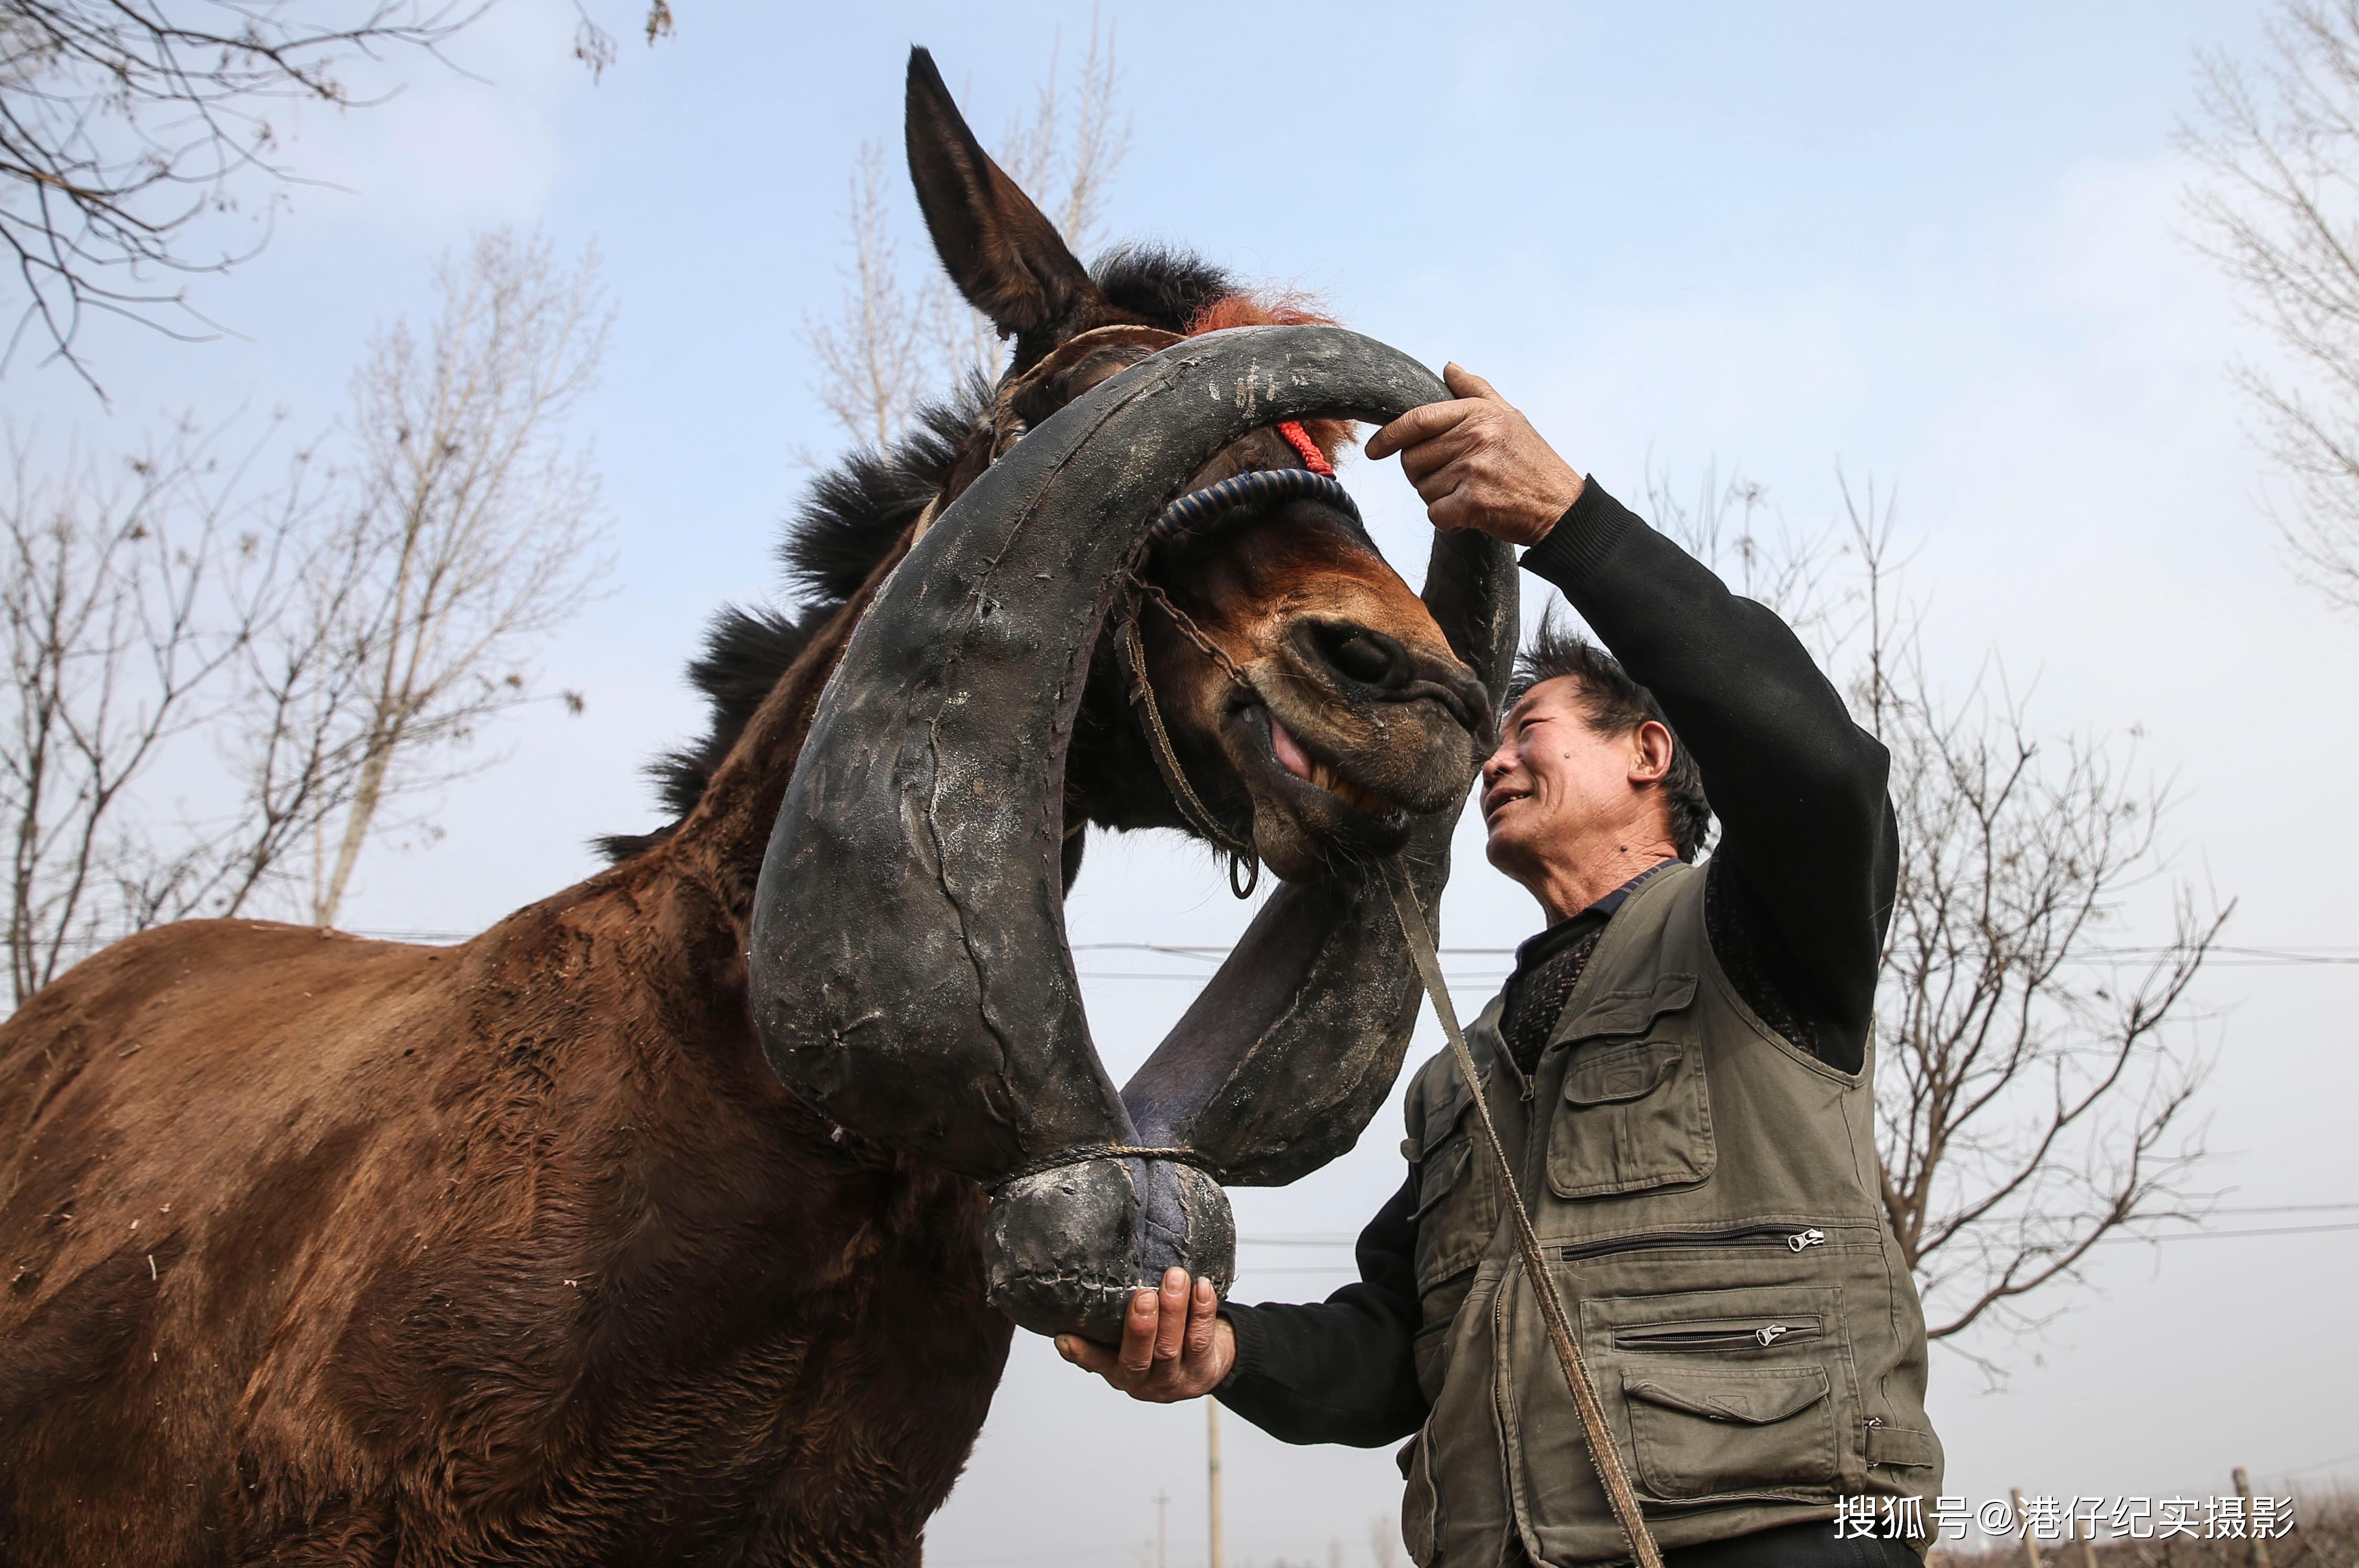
(2284, 956)
(1320, 1241)
(2290, 955)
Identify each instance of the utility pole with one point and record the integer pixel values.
(2260, 1543)
(1212, 1475)
(2030, 1544)
(1161, 1498)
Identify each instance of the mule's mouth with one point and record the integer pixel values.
(1305, 812)
(1291, 756)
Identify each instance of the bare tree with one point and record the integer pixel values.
(2033, 1074)
(880, 353)
(222, 656)
(893, 339)
(1064, 157)
(474, 533)
(123, 122)
(130, 596)
(2278, 209)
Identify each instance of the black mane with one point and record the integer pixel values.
(851, 517)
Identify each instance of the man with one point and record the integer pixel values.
(1678, 1068)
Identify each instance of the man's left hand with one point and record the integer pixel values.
(1479, 464)
(1174, 1345)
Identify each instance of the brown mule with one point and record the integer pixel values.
(316, 1250)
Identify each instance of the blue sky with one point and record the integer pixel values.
(1940, 248)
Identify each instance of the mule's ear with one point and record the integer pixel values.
(1000, 251)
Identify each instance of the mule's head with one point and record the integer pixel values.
(1312, 702)
(1006, 685)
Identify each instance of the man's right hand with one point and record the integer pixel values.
(1478, 463)
(1175, 1345)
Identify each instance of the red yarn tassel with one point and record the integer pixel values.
(1300, 439)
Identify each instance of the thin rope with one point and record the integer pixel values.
(1185, 624)
(1603, 1453)
(1082, 1154)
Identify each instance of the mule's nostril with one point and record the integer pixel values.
(1369, 657)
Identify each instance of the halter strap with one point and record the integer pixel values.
(1167, 759)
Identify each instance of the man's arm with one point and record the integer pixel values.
(1806, 844)
(1339, 1371)
(1807, 859)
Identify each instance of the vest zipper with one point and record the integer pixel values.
(1793, 1238)
(1760, 1336)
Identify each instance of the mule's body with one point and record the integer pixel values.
(361, 1252)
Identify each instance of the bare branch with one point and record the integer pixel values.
(476, 532)
(124, 122)
(2031, 1095)
(133, 593)
(2278, 209)
(594, 46)
(221, 655)
(873, 356)
(893, 339)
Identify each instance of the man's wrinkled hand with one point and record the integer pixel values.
(1478, 463)
(1175, 1345)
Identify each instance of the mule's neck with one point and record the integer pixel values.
(720, 843)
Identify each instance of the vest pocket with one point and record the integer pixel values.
(1636, 1115)
(1711, 1432)
(1420, 1506)
(1745, 1392)
(1457, 1204)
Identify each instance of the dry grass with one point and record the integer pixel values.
(2325, 1535)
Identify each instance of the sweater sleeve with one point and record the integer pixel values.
(1806, 841)
(1340, 1370)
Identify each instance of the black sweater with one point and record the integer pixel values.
(1800, 885)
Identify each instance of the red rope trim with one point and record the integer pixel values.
(1300, 439)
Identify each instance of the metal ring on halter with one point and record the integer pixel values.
(1244, 873)
(1258, 487)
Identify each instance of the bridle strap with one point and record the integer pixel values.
(1133, 654)
(1008, 426)
(1196, 510)
(1603, 1453)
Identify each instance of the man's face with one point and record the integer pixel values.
(1555, 786)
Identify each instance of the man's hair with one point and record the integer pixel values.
(1613, 704)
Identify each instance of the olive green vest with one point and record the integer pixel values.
(1707, 1194)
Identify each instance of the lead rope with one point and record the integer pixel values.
(1603, 1453)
